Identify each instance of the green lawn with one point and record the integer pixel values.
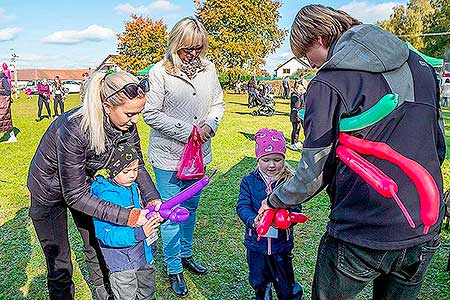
(219, 231)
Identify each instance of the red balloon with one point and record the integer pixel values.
(265, 223)
(297, 217)
(426, 186)
(282, 220)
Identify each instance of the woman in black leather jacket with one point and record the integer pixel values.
(72, 150)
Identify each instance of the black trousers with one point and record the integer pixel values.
(43, 100)
(276, 269)
(296, 126)
(52, 231)
(58, 101)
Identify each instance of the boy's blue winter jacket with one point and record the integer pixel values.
(124, 248)
(251, 194)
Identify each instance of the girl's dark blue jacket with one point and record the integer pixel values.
(251, 194)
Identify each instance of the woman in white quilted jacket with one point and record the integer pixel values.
(184, 91)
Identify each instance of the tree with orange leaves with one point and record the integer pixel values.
(142, 43)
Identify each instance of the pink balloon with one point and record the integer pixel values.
(382, 183)
(426, 186)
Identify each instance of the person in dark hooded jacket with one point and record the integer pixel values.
(368, 239)
(74, 147)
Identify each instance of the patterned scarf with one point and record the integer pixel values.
(192, 68)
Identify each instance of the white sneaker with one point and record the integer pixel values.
(12, 139)
(299, 144)
(293, 147)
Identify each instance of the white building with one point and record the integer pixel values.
(291, 66)
(108, 65)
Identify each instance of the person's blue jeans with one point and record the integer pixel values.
(344, 269)
(177, 238)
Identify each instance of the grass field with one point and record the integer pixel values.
(219, 232)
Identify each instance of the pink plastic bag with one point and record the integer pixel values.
(192, 166)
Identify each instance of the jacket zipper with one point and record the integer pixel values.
(269, 246)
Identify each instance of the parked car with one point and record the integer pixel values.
(72, 86)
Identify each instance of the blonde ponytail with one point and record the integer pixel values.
(98, 87)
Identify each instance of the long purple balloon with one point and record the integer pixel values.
(166, 208)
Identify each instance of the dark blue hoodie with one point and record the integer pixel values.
(365, 64)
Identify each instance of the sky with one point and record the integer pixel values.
(81, 34)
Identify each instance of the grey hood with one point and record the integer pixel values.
(367, 48)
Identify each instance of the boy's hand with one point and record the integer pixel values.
(152, 225)
(142, 219)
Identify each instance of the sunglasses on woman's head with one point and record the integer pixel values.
(131, 90)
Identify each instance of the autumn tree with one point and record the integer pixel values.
(142, 43)
(439, 22)
(242, 33)
(410, 22)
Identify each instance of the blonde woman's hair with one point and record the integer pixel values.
(314, 21)
(187, 33)
(98, 88)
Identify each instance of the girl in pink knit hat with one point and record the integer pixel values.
(269, 258)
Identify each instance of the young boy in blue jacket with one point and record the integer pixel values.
(269, 259)
(126, 250)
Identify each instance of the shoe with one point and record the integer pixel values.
(38, 119)
(299, 144)
(12, 139)
(192, 266)
(178, 285)
(293, 147)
